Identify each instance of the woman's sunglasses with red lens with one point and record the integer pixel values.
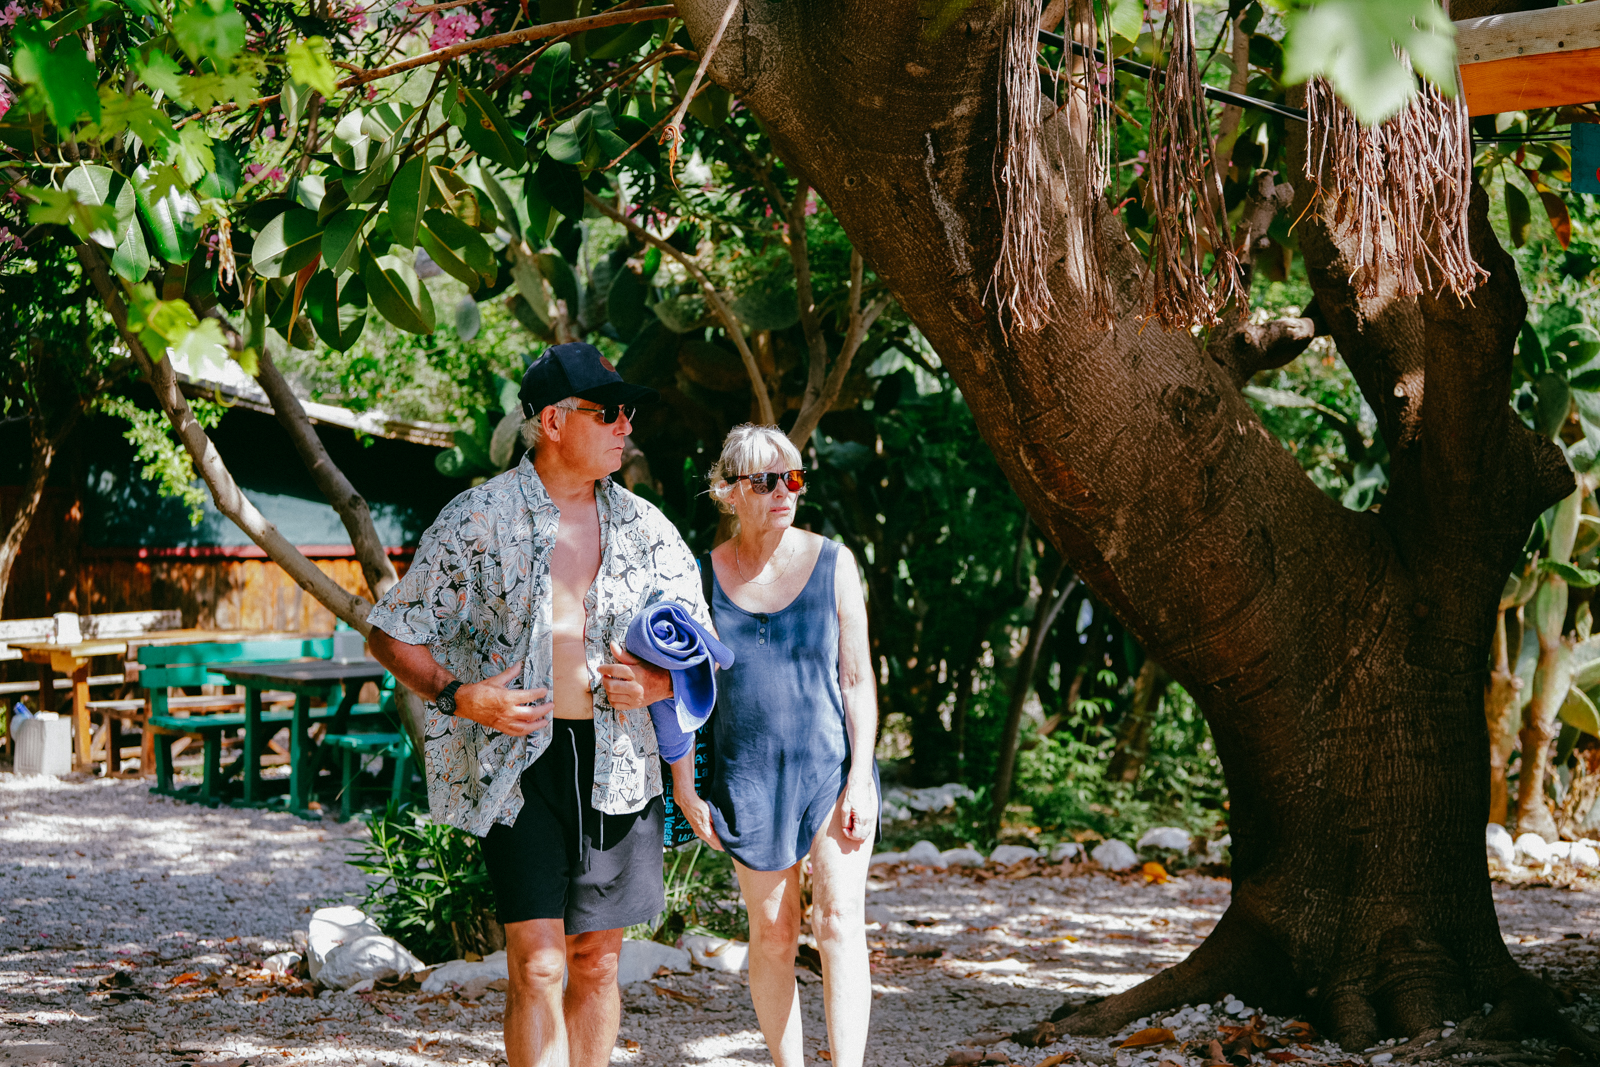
(767, 481)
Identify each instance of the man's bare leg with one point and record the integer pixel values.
(593, 1002)
(536, 958)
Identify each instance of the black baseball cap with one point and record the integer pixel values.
(576, 369)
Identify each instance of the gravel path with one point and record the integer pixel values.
(109, 894)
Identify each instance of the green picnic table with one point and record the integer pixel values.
(307, 679)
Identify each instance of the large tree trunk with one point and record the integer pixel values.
(1339, 657)
(44, 450)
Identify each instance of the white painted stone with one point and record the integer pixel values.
(331, 927)
(1006, 855)
(925, 854)
(282, 962)
(1171, 838)
(1560, 850)
(1114, 855)
(962, 857)
(373, 957)
(1067, 850)
(1532, 850)
(1001, 967)
(1497, 839)
(1584, 856)
(887, 857)
(1216, 850)
(641, 959)
(717, 953)
(461, 972)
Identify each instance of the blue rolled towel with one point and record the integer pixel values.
(667, 636)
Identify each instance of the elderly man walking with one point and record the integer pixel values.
(509, 626)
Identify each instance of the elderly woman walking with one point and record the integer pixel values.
(793, 733)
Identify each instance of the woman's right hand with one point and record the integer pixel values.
(696, 810)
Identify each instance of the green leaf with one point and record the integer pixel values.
(1578, 577)
(210, 29)
(63, 72)
(451, 463)
(614, 42)
(469, 320)
(458, 249)
(1530, 351)
(397, 293)
(569, 141)
(130, 258)
(487, 131)
(1352, 44)
(169, 211)
(561, 186)
(91, 184)
(337, 308)
(191, 153)
(341, 244)
(309, 65)
(62, 207)
(1575, 345)
(625, 305)
(1127, 18)
(500, 198)
(772, 308)
(1519, 215)
(222, 181)
(408, 199)
(548, 79)
(563, 282)
(1579, 712)
(289, 242)
(1554, 403)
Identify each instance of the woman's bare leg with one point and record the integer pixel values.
(773, 901)
(838, 905)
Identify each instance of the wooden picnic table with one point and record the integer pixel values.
(72, 660)
(305, 678)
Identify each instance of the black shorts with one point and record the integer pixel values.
(564, 860)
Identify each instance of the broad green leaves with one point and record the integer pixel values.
(309, 65)
(341, 244)
(487, 131)
(169, 211)
(337, 308)
(458, 249)
(589, 138)
(397, 293)
(408, 199)
(210, 29)
(1352, 43)
(60, 70)
(288, 244)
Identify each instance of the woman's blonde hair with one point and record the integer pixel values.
(748, 449)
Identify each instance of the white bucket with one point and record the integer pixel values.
(68, 630)
(44, 744)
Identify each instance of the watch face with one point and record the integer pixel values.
(446, 701)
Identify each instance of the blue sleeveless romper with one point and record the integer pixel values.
(781, 749)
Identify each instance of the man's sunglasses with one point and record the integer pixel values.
(766, 482)
(609, 413)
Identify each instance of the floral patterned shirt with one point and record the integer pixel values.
(478, 596)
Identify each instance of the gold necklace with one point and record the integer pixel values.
(739, 567)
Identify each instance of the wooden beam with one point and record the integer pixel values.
(1572, 27)
(1549, 79)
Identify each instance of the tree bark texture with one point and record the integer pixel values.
(1340, 657)
(44, 450)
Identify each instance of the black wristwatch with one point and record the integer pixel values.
(446, 700)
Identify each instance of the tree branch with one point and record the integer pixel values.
(331, 481)
(820, 402)
(730, 321)
(1239, 347)
(225, 492)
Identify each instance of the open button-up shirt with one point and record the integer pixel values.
(478, 596)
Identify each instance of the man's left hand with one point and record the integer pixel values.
(631, 683)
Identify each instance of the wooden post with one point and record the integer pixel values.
(80, 717)
(47, 687)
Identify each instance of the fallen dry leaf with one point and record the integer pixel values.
(1154, 872)
(963, 1056)
(631, 1045)
(824, 1054)
(1058, 1059)
(422, 1044)
(1281, 1056)
(673, 993)
(1039, 1035)
(1154, 1035)
(1300, 1031)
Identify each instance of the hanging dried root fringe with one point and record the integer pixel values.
(1403, 188)
(1188, 214)
(1020, 284)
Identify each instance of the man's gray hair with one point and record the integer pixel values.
(531, 433)
(748, 448)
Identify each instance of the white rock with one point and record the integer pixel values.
(962, 857)
(332, 927)
(1584, 857)
(1560, 850)
(375, 956)
(1165, 837)
(1006, 855)
(1004, 967)
(1114, 855)
(887, 857)
(925, 854)
(717, 953)
(1216, 849)
(282, 962)
(1500, 846)
(363, 986)
(1066, 850)
(1532, 850)
(641, 959)
(461, 972)
(1382, 1057)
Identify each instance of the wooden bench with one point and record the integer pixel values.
(396, 752)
